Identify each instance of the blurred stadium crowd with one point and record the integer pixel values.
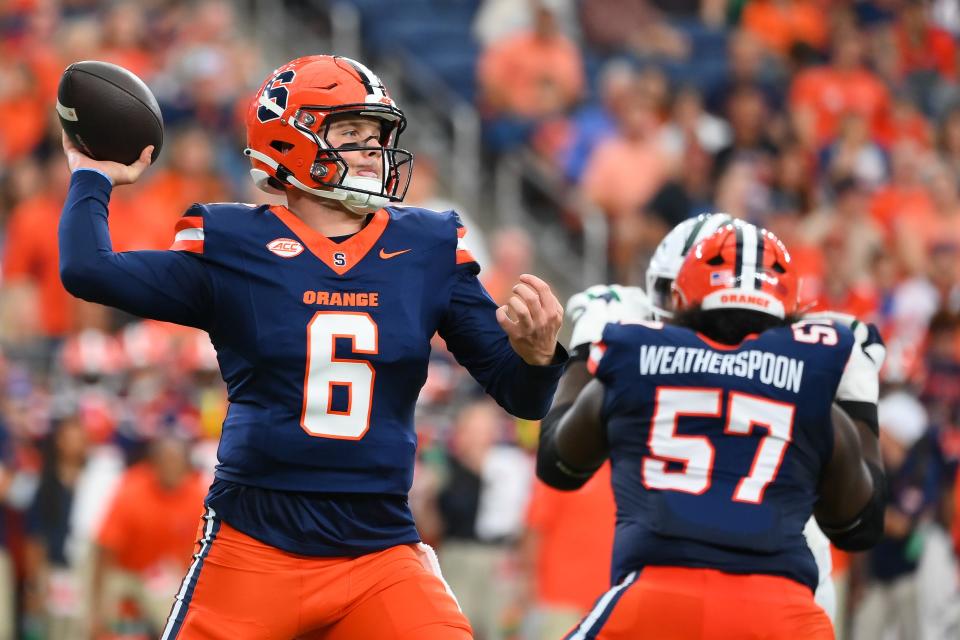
(835, 123)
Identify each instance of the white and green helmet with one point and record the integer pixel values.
(670, 254)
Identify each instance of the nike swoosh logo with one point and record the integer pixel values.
(392, 254)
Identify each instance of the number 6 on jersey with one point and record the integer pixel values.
(325, 372)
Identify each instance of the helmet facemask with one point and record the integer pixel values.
(330, 172)
(360, 194)
(669, 256)
(660, 292)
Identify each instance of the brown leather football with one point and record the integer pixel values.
(108, 112)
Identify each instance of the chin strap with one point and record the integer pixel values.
(356, 203)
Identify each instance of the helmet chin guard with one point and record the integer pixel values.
(358, 200)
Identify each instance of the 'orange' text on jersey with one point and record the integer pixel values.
(342, 298)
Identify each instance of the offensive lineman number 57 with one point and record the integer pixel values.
(744, 414)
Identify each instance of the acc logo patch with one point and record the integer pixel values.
(285, 247)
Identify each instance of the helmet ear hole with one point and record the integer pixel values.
(715, 261)
(281, 146)
(779, 268)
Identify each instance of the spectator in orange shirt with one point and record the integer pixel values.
(528, 76)
(926, 59)
(31, 258)
(145, 539)
(566, 552)
(906, 122)
(189, 177)
(842, 291)
(781, 23)
(846, 225)
(787, 221)
(626, 170)
(624, 173)
(143, 218)
(23, 116)
(924, 47)
(820, 96)
(942, 224)
(512, 253)
(124, 35)
(904, 203)
(37, 46)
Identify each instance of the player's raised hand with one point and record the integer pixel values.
(119, 173)
(532, 319)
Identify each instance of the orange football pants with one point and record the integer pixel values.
(239, 587)
(678, 603)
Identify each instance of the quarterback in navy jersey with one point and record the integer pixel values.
(724, 439)
(321, 312)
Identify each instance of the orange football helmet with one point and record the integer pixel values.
(287, 125)
(739, 266)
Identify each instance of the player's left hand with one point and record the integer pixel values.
(532, 319)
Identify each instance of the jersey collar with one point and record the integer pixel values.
(340, 257)
(727, 347)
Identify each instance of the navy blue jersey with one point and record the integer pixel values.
(324, 349)
(717, 450)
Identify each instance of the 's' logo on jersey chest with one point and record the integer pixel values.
(285, 247)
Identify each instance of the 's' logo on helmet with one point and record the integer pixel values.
(276, 92)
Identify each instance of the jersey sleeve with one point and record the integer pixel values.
(477, 341)
(615, 340)
(173, 286)
(464, 258)
(19, 248)
(859, 389)
(189, 232)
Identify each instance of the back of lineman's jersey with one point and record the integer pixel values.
(717, 450)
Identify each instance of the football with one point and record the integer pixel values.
(108, 112)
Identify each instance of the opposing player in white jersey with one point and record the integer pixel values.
(591, 310)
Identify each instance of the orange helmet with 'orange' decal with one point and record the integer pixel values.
(740, 266)
(287, 125)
